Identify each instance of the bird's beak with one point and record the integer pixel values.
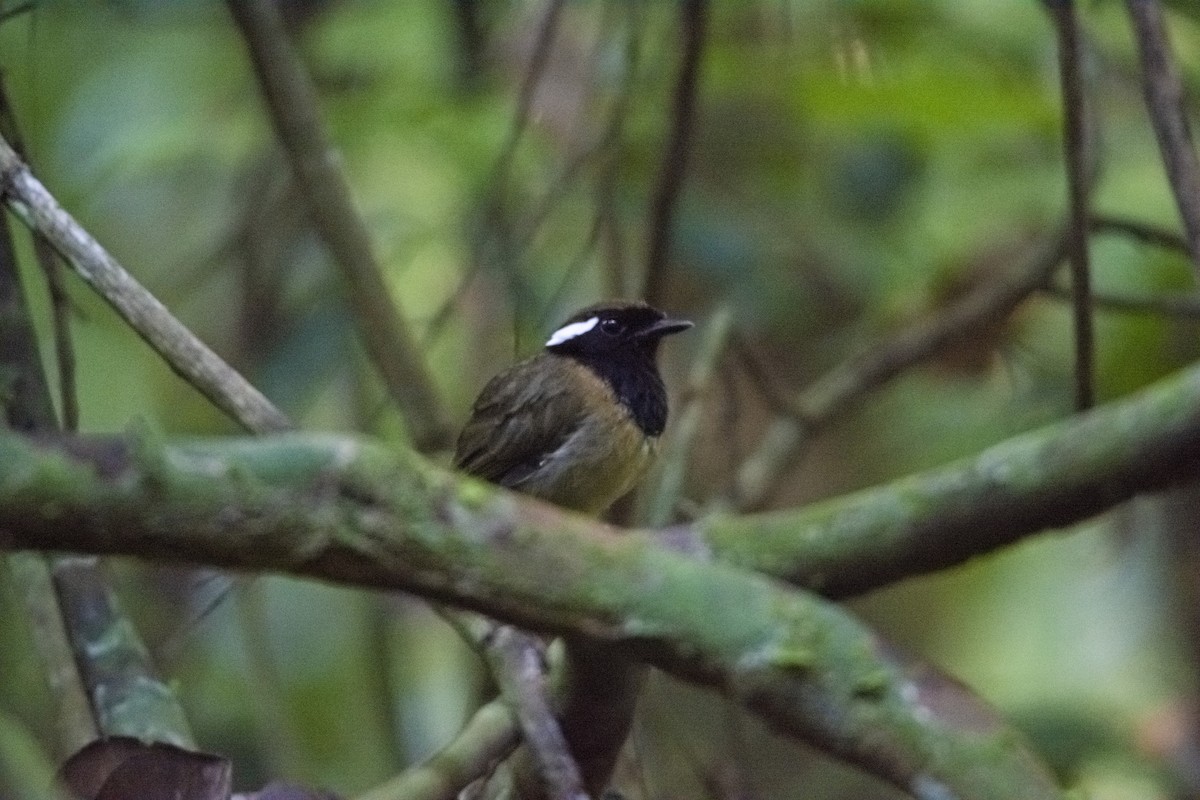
(664, 327)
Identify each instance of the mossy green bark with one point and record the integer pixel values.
(351, 512)
(1049, 478)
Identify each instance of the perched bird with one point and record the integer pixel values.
(576, 424)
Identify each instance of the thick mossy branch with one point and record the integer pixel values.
(351, 512)
(347, 511)
(1049, 478)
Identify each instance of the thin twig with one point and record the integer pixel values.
(1075, 147)
(662, 494)
(277, 734)
(93, 658)
(60, 302)
(60, 314)
(617, 281)
(540, 57)
(17, 10)
(1183, 306)
(801, 417)
(291, 100)
(837, 391)
(693, 17)
(1164, 94)
(488, 737)
(496, 228)
(25, 405)
(518, 663)
(179, 347)
(1142, 231)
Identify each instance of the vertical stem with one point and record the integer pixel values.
(693, 16)
(1075, 146)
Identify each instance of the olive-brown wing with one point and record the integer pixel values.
(521, 417)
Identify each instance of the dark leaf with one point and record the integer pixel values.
(122, 768)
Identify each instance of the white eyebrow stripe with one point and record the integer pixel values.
(567, 332)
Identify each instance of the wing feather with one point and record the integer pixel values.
(521, 417)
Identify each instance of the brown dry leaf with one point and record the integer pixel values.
(123, 768)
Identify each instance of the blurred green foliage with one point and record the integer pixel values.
(857, 165)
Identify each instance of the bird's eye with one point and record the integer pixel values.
(612, 327)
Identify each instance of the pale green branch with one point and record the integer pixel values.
(351, 512)
(178, 346)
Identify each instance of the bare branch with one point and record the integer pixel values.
(542, 47)
(1163, 89)
(693, 19)
(838, 390)
(518, 663)
(663, 492)
(1141, 231)
(179, 347)
(292, 102)
(1184, 306)
(490, 736)
(1075, 146)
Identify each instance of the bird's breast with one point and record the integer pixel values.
(599, 462)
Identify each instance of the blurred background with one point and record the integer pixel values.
(855, 168)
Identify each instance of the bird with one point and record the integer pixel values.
(577, 424)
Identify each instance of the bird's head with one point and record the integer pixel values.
(612, 329)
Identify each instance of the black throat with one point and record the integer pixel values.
(635, 381)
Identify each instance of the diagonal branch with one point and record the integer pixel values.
(292, 102)
(95, 662)
(1182, 305)
(663, 490)
(1050, 478)
(839, 389)
(350, 512)
(1163, 89)
(1143, 232)
(179, 347)
(518, 664)
(490, 736)
(539, 58)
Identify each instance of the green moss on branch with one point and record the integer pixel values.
(347, 511)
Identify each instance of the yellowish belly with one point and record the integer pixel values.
(594, 468)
